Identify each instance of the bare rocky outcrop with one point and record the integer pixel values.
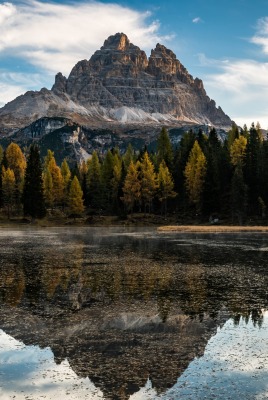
(119, 86)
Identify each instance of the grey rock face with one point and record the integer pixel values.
(120, 85)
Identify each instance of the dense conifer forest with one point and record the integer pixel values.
(203, 178)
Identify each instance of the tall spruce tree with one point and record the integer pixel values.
(94, 184)
(107, 169)
(238, 195)
(212, 184)
(252, 168)
(1, 154)
(164, 149)
(33, 196)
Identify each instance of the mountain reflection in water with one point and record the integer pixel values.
(129, 308)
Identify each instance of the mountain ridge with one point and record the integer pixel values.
(117, 87)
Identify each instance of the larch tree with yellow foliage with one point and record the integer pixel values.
(132, 187)
(17, 163)
(195, 172)
(66, 176)
(165, 185)
(8, 189)
(75, 199)
(238, 150)
(53, 181)
(148, 182)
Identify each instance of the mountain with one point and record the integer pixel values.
(119, 84)
(118, 90)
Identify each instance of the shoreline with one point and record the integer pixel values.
(113, 222)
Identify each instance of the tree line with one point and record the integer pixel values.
(203, 176)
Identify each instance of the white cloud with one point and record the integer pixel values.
(6, 12)
(239, 75)
(56, 36)
(240, 87)
(13, 84)
(261, 36)
(9, 92)
(196, 20)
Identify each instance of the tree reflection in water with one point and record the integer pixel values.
(125, 306)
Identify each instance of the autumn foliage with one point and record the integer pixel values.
(203, 176)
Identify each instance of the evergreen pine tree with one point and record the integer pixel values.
(1, 154)
(252, 169)
(212, 184)
(116, 181)
(164, 149)
(107, 170)
(33, 195)
(239, 195)
(94, 184)
(128, 157)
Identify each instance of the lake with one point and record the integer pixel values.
(131, 313)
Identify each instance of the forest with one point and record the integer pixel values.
(204, 179)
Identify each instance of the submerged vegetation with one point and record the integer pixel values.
(203, 179)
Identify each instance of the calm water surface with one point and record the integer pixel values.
(90, 313)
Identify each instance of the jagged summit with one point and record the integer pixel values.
(117, 87)
(119, 41)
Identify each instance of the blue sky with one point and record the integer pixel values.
(223, 43)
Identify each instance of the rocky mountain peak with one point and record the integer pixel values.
(165, 66)
(117, 50)
(161, 51)
(60, 83)
(120, 85)
(119, 41)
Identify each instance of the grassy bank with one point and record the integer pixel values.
(170, 223)
(59, 219)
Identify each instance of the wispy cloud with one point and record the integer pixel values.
(55, 36)
(261, 36)
(13, 84)
(240, 85)
(197, 20)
